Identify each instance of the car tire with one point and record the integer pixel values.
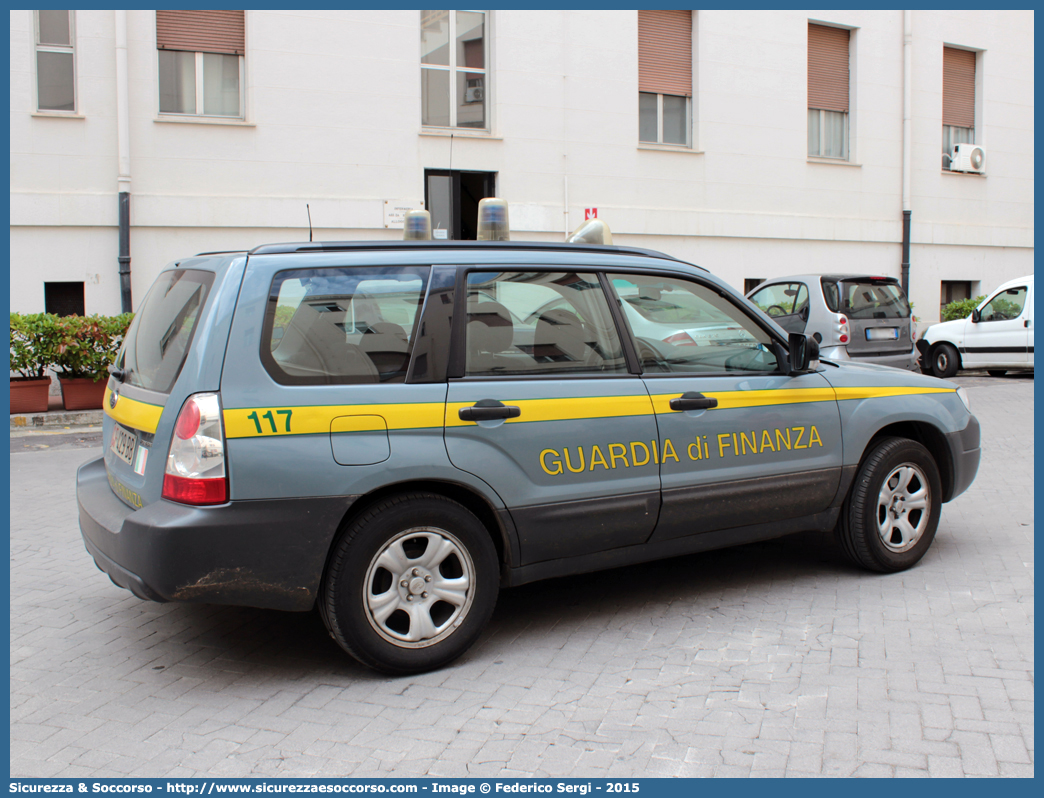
(996, 372)
(410, 584)
(945, 361)
(891, 514)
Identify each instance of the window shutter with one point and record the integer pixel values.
(201, 31)
(665, 52)
(958, 87)
(827, 68)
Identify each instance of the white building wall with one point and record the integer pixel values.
(333, 119)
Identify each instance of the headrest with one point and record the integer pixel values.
(489, 327)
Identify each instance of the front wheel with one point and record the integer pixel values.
(411, 584)
(891, 514)
(945, 361)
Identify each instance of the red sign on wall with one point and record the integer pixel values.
(590, 213)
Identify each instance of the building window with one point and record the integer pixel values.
(828, 119)
(64, 299)
(55, 61)
(958, 99)
(201, 62)
(665, 77)
(454, 71)
(954, 291)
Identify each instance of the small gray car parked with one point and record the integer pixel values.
(853, 317)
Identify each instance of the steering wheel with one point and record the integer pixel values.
(776, 310)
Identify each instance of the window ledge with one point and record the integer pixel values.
(670, 148)
(446, 132)
(834, 161)
(964, 174)
(204, 120)
(56, 115)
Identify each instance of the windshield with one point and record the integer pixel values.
(866, 299)
(159, 337)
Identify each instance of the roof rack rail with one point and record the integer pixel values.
(343, 246)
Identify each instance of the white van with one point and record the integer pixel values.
(997, 336)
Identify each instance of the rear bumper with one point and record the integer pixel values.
(268, 554)
(907, 361)
(964, 447)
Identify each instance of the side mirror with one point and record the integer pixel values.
(804, 353)
(976, 317)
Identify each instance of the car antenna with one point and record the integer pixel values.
(309, 210)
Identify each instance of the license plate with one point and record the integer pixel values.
(123, 444)
(882, 334)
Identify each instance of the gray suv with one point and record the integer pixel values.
(853, 317)
(391, 432)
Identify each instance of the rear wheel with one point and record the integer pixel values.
(945, 361)
(891, 514)
(411, 584)
(996, 372)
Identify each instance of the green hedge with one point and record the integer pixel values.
(961, 309)
(74, 346)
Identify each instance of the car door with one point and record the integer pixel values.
(1001, 336)
(542, 407)
(739, 442)
(786, 303)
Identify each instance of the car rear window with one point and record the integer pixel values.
(342, 326)
(162, 331)
(866, 299)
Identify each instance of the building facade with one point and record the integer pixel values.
(756, 144)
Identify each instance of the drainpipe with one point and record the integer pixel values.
(123, 143)
(907, 142)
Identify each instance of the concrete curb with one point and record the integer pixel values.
(56, 418)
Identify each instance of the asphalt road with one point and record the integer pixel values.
(774, 659)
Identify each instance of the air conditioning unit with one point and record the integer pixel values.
(968, 158)
(473, 95)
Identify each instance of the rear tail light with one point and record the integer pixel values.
(842, 329)
(680, 339)
(196, 462)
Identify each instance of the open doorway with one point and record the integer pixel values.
(452, 198)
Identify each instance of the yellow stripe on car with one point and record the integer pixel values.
(257, 422)
(875, 393)
(564, 409)
(132, 413)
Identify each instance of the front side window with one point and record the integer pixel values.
(665, 77)
(342, 326)
(684, 327)
(539, 323)
(958, 99)
(454, 69)
(1005, 306)
(782, 299)
(201, 62)
(55, 60)
(828, 72)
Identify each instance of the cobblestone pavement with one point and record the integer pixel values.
(767, 660)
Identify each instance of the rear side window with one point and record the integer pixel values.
(539, 323)
(162, 331)
(342, 326)
(866, 299)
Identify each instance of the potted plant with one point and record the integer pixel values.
(34, 346)
(87, 345)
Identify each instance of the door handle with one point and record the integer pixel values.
(1026, 323)
(691, 400)
(488, 410)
